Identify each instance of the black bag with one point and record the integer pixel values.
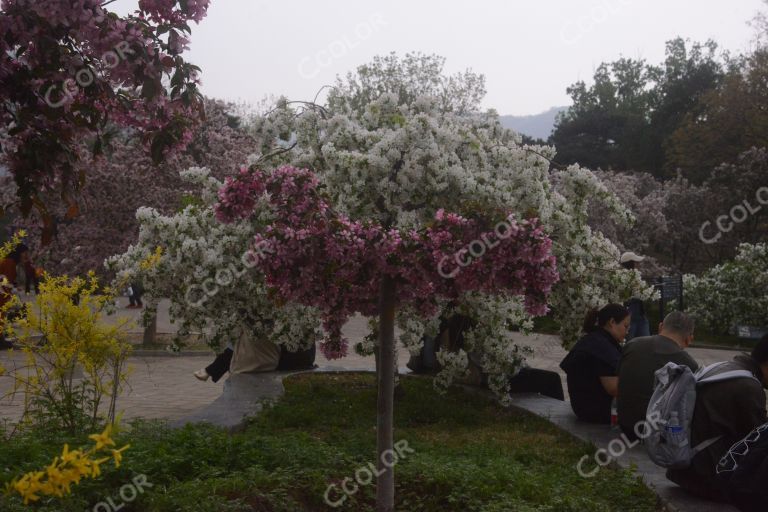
(293, 361)
(742, 472)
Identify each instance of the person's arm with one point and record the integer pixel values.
(690, 362)
(611, 385)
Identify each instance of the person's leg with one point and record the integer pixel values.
(220, 365)
(534, 380)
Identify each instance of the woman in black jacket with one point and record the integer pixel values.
(592, 364)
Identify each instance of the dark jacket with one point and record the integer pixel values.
(640, 359)
(730, 409)
(595, 355)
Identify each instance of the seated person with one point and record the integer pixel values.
(727, 410)
(641, 358)
(536, 380)
(256, 356)
(592, 364)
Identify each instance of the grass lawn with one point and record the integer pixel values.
(468, 455)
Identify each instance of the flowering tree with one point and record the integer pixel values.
(205, 268)
(732, 293)
(451, 155)
(396, 147)
(324, 259)
(688, 227)
(121, 182)
(67, 69)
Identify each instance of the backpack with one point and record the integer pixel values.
(670, 412)
(743, 471)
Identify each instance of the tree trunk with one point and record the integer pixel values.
(385, 483)
(150, 331)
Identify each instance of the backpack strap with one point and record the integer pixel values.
(705, 375)
(732, 374)
(704, 445)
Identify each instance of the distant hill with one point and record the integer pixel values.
(538, 126)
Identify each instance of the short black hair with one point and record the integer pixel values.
(600, 318)
(760, 352)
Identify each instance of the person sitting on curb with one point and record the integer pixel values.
(641, 358)
(249, 355)
(727, 411)
(592, 364)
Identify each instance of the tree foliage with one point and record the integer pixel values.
(71, 70)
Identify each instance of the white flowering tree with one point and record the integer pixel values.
(376, 190)
(405, 114)
(206, 270)
(733, 293)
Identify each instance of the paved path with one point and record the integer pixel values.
(163, 386)
(627, 455)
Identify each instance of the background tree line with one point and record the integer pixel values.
(682, 143)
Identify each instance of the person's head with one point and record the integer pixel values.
(760, 354)
(20, 254)
(629, 260)
(614, 318)
(678, 327)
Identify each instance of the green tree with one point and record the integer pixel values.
(730, 119)
(624, 119)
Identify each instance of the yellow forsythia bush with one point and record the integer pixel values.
(74, 360)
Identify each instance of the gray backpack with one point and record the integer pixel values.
(667, 436)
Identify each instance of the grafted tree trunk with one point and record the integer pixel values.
(150, 331)
(385, 483)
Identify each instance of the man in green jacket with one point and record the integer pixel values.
(728, 410)
(641, 358)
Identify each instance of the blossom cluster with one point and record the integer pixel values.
(733, 293)
(202, 266)
(322, 258)
(67, 469)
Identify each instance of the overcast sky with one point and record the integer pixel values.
(529, 51)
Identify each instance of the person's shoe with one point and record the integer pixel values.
(202, 375)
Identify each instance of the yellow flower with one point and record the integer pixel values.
(104, 439)
(70, 468)
(118, 455)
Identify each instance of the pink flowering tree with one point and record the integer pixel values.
(69, 70)
(125, 179)
(325, 259)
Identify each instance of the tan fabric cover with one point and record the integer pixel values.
(254, 355)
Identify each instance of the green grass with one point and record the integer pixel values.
(469, 455)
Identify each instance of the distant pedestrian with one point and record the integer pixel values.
(135, 291)
(639, 325)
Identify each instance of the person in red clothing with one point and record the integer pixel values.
(9, 281)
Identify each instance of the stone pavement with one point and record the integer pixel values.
(162, 385)
(634, 457)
